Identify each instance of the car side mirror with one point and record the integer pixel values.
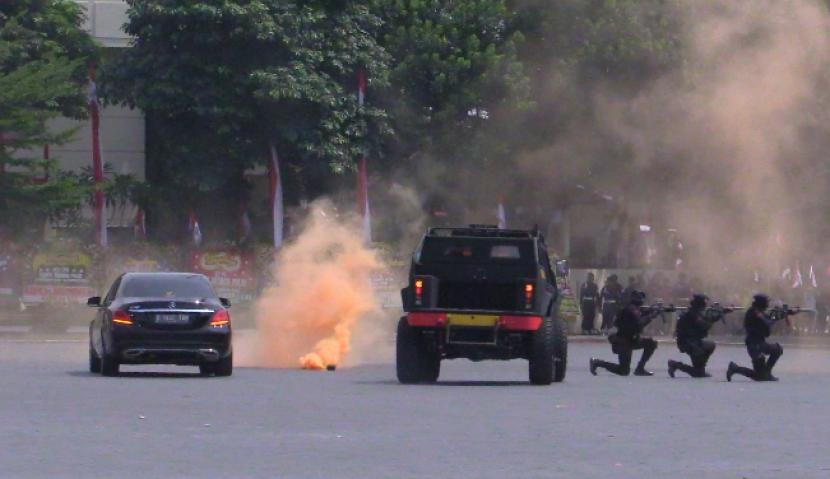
(225, 302)
(94, 301)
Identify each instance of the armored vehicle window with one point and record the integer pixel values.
(476, 250)
(505, 251)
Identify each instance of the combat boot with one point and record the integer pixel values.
(641, 371)
(672, 367)
(730, 371)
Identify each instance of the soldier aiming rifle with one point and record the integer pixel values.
(630, 323)
(758, 325)
(692, 330)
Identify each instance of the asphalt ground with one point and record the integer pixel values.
(481, 420)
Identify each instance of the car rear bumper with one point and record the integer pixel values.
(163, 347)
(163, 355)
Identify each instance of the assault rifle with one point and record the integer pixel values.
(717, 312)
(784, 311)
(660, 309)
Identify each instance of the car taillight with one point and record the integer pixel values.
(120, 317)
(419, 292)
(528, 296)
(220, 319)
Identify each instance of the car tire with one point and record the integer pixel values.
(94, 361)
(414, 363)
(540, 363)
(560, 350)
(109, 366)
(223, 367)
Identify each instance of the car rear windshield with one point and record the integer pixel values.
(183, 286)
(476, 250)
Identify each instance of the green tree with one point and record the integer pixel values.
(43, 62)
(454, 72)
(222, 80)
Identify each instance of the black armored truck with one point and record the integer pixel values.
(480, 292)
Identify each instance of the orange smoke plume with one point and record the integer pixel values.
(322, 288)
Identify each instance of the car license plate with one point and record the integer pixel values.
(172, 319)
(472, 320)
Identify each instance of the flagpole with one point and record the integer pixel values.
(97, 162)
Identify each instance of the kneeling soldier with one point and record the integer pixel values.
(630, 323)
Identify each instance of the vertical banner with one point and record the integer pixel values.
(362, 175)
(140, 225)
(193, 227)
(363, 200)
(99, 205)
(277, 213)
(244, 222)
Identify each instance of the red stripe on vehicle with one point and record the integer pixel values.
(427, 320)
(520, 323)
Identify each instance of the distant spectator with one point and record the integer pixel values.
(588, 303)
(611, 298)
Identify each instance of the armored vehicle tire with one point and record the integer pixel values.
(94, 361)
(414, 363)
(560, 350)
(540, 362)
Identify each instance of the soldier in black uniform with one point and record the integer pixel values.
(757, 325)
(630, 323)
(610, 298)
(692, 329)
(588, 302)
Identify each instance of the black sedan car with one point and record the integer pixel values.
(161, 318)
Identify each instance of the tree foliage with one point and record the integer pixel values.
(43, 62)
(225, 78)
(454, 67)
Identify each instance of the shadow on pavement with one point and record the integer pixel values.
(392, 382)
(481, 383)
(140, 374)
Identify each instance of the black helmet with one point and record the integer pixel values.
(638, 298)
(761, 301)
(699, 300)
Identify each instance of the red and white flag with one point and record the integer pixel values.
(277, 213)
(99, 205)
(798, 281)
(194, 229)
(502, 216)
(140, 225)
